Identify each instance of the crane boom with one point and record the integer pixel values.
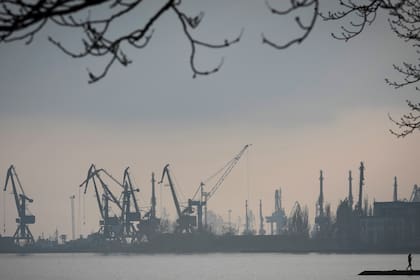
(205, 196)
(132, 190)
(9, 176)
(185, 221)
(171, 185)
(228, 168)
(92, 173)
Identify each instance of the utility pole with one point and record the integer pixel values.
(395, 189)
(350, 190)
(73, 231)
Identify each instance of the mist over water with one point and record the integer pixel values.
(196, 266)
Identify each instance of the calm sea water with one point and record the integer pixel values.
(197, 266)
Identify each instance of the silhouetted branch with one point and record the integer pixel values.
(409, 122)
(296, 6)
(404, 21)
(364, 13)
(193, 22)
(21, 20)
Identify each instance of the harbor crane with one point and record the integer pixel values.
(278, 217)
(129, 216)
(205, 196)
(415, 194)
(23, 235)
(149, 224)
(110, 226)
(185, 221)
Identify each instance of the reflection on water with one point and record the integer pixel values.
(195, 266)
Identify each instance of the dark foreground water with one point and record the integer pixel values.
(274, 266)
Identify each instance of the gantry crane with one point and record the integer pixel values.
(23, 235)
(185, 221)
(111, 227)
(278, 217)
(205, 196)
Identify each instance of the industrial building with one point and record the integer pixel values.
(393, 224)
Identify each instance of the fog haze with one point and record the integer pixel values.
(319, 105)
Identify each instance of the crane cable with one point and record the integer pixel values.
(247, 174)
(213, 176)
(141, 199)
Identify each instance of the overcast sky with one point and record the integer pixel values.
(319, 105)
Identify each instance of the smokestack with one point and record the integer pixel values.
(395, 189)
(321, 194)
(361, 180)
(277, 200)
(350, 190)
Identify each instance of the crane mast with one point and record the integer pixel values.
(415, 194)
(185, 221)
(22, 233)
(205, 196)
(92, 173)
(171, 185)
(278, 217)
(149, 224)
(153, 199)
(111, 227)
(128, 216)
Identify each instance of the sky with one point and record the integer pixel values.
(322, 104)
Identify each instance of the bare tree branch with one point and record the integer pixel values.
(409, 122)
(21, 20)
(404, 21)
(296, 6)
(193, 22)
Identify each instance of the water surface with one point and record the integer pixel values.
(275, 266)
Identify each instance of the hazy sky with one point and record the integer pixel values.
(319, 105)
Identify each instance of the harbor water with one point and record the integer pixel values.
(245, 266)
